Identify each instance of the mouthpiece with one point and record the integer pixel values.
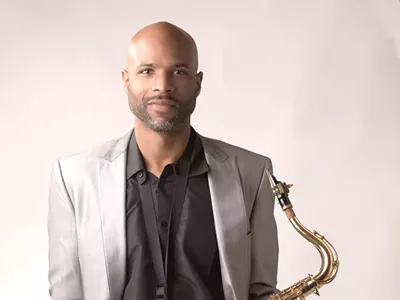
(281, 191)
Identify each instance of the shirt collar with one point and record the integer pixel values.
(135, 162)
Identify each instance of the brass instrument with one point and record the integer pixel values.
(329, 258)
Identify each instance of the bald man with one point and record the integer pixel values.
(162, 212)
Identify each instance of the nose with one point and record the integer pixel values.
(163, 84)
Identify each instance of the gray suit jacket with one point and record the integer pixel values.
(86, 222)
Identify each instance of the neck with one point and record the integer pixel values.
(160, 149)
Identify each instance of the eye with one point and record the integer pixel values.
(180, 72)
(146, 71)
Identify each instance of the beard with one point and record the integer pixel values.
(183, 111)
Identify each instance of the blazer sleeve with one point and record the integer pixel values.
(264, 241)
(64, 271)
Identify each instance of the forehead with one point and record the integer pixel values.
(162, 51)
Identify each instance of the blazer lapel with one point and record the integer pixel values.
(112, 181)
(231, 222)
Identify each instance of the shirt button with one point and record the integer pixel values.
(164, 224)
(140, 174)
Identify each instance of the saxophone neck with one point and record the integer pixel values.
(329, 258)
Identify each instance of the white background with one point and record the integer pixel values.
(315, 85)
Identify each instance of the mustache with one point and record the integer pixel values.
(161, 97)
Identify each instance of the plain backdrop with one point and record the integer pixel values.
(314, 85)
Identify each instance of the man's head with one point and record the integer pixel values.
(161, 78)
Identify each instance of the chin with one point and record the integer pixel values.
(165, 126)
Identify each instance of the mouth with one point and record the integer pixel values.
(162, 107)
(162, 102)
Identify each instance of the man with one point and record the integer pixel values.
(162, 211)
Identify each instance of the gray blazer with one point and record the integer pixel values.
(86, 222)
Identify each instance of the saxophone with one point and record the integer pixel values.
(329, 258)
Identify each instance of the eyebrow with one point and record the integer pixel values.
(178, 65)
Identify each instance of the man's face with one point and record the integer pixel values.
(162, 84)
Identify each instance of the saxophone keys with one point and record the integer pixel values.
(319, 235)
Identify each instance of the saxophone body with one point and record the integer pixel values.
(329, 258)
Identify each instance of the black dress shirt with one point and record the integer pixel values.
(194, 268)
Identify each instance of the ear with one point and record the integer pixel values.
(199, 79)
(125, 79)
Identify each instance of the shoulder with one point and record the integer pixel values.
(243, 156)
(86, 156)
(80, 164)
(251, 166)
